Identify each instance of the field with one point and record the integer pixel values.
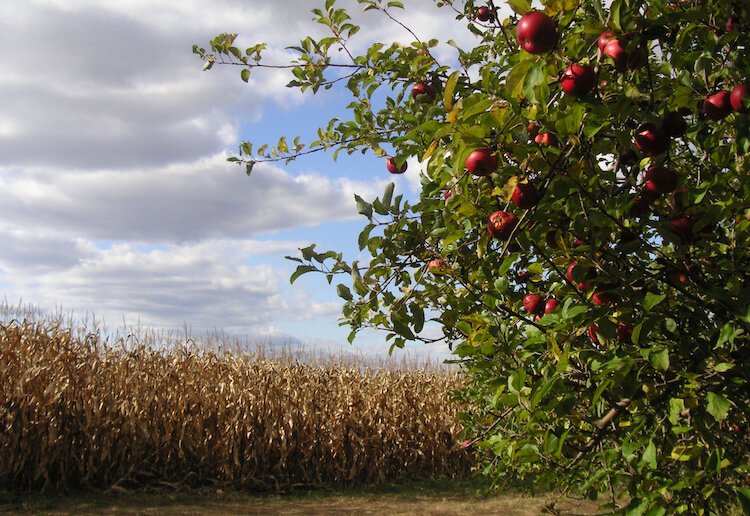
(78, 410)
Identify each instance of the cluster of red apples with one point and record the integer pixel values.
(537, 34)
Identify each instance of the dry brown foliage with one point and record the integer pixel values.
(76, 411)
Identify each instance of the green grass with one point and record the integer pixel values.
(438, 496)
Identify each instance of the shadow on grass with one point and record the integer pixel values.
(438, 496)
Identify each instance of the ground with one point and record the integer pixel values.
(426, 498)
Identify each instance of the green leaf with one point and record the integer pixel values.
(743, 495)
(660, 359)
(649, 456)
(450, 88)
(417, 316)
(245, 74)
(652, 300)
(520, 6)
(517, 77)
(344, 292)
(723, 367)
(728, 333)
(718, 405)
(388, 195)
(364, 236)
(301, 269)
(507, 264)
(363, 207)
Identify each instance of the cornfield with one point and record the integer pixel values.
(77, 411)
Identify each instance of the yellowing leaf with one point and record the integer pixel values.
(509, 187)
(450, 88)
(429, 151)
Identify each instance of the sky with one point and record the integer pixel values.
(116, 196)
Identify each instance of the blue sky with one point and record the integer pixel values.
(117, 197)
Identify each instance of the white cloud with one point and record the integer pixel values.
(209, 198)
(116, 196)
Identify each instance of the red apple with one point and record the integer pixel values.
(393, 167)
(717, 105)
(578, 80)
(501, 224)
(615, 49)
(545, 139)
(651, 140)
(536, 32)
(525, 196)
(578, 242)
(551, 305)
(594, 333)
(437, 265)
(423, 92)
(732, 24)
(481, 162)
(484, 14)
(604, 37)
(683, 227)
(533, 303)
(602, 298)
(740, 98)
(660, 180)
(533, 130)
(624, 333)
(584, 286)
(673, 124)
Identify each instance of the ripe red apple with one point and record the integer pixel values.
(393, 167)
(651, 140)
(624, 333)
(437, 265)
(683, 227)
(673, 124)
(501, 224)
(525, 196)
(594, 333)
(578, 80)
(533, 130)
(484, 14)
(551, 305)
(602, 298)
(660, 180)
(584, 286)
(536, 32)
(615, 49)
(578, 242)
(732, 24)
(604, 37)
(533, 303)
(545, 139)
(717, 105)
(481, 162)
(422, 92)
(740, 98)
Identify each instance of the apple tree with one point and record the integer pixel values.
(582, 235)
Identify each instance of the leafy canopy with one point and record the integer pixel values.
(631, 197)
